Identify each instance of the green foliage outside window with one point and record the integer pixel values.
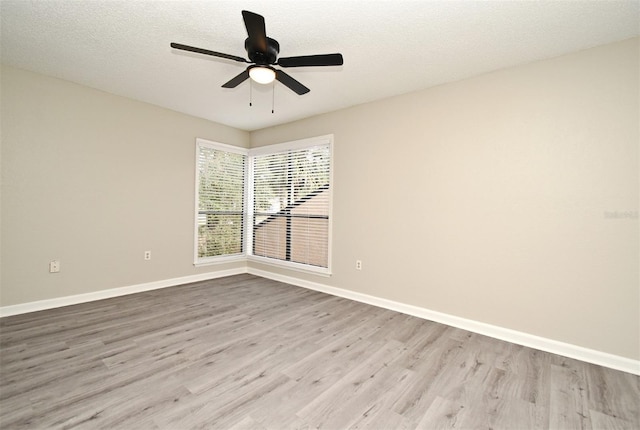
(221, 200)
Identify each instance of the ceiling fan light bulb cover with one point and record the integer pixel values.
(262, 75)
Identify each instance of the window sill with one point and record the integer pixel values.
(313, 270)
(211, 261)
(239, 258)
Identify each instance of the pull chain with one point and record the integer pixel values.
(250, 93)
(273, 97)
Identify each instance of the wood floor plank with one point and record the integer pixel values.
(363, 410)
(442, 414)
(568, 404)
(244, 352)
(604, 421)
(601, 388)
(367, 373)
(435, 373)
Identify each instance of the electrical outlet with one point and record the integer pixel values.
(54, 266)
(358, 264)
(147, 255)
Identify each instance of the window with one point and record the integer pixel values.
(220, 198)
(291, 203)
(287, 218)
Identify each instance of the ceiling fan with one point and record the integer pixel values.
(263, 54)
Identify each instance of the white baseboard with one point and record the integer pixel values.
(525, 339)
(549, 345)
(59, 302)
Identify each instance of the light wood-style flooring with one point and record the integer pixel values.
(245, 352)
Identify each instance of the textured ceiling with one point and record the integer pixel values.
(389, 47)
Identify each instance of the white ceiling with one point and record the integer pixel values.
(389, 47)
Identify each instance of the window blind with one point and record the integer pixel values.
(220, 201)
(291, 199)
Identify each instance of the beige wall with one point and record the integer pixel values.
(94, 180)
(491, 198)
(488, 196)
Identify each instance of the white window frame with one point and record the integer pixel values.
(281, 147)
(220, 259)
(248, 220)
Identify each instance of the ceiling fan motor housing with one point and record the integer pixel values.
(258, 56)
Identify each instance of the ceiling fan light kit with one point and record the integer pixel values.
(263, 54)
(262, 74)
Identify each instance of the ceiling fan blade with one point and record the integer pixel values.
(234, 82)
(312, 60)
(294, 85)
(255, 30)
(207, 52)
